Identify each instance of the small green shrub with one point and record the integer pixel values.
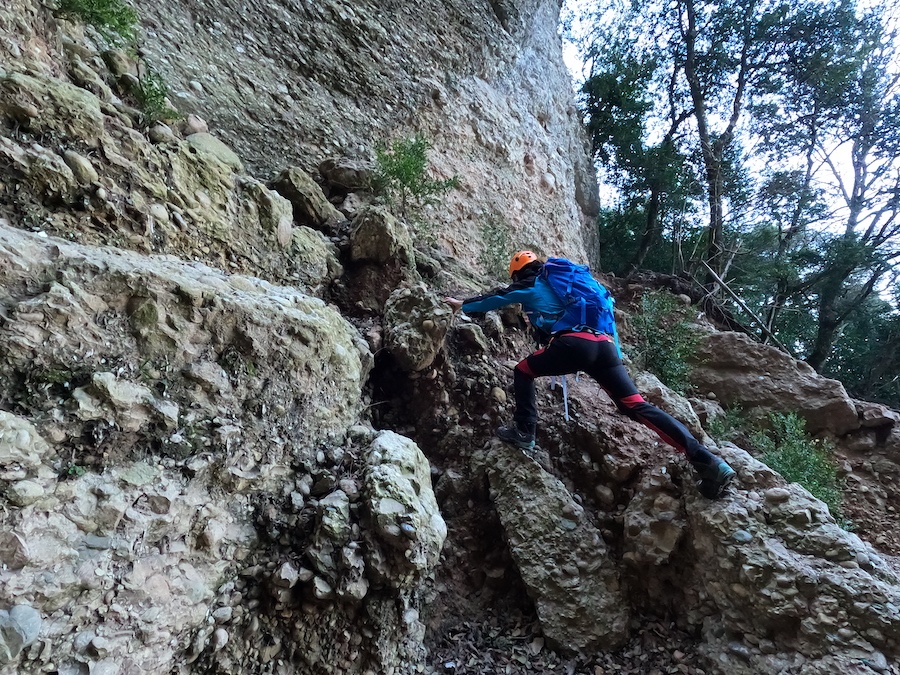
(665, 340)
(151, 93)
(496, 245)
(115, 20)
(731, 426)
(401, 177)
(71, 472)
(789, 450)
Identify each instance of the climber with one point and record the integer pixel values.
(572, 347)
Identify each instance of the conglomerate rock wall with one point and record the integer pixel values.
(298, 82)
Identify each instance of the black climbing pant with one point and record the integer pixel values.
(596, 355)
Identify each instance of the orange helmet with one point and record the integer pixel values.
(519, 260)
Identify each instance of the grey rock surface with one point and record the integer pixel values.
(564, 562)
(303, 83)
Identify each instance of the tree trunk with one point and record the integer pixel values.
(651, 227)
(711, 162)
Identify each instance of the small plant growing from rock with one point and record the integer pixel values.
(401, 177)
(790, 451)
(732, 426)
(151, 93)
(71, 472)
(115, 20)
(496, 245)
(665, 340)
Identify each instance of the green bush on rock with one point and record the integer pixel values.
(115, 20)
(789, 450)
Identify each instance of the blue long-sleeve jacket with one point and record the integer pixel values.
(541, 304)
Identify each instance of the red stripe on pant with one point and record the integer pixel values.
(522, 366)
(633, 402)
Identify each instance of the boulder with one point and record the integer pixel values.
(380, 238)
(319, 260)
(345, 175)
(763, 379)
(311, 207)
(874, 415)
(210, 146)
(313, 362)
(276, 216)
(773, 557)
(404, 513)
(21, 446)
(51, 106)
(670, 401)
(562, 557)
(415, 324)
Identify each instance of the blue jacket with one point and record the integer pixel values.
(540, 302)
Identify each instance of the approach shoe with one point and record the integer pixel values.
(514, 435)
(715, 478)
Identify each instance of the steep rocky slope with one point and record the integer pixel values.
(240, 432)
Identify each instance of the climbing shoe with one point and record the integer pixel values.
(516, 436)
(714, 477)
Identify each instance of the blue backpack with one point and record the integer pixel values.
(588, 303)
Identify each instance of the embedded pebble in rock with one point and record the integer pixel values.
(24, 492)
(223, 614)
(159, 213)
(194, 124)
(162, 133)
(19, 628)
(219, 639)
(287, 576)
(742, 536)
(84, 171)
(777, 495)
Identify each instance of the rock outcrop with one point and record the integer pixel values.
(563, 560)
(763, 379)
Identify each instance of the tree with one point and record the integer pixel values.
(796, 101)
(650, 176)
(616, 103)
(868, 361)
(836, 106)
(700, 63)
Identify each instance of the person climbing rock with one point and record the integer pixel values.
(572, 316)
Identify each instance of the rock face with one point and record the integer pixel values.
(161, 320)
(80, 167)
(561, 556)
(302, 83)
(763, 379)
(792, 589)
(146, 356)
